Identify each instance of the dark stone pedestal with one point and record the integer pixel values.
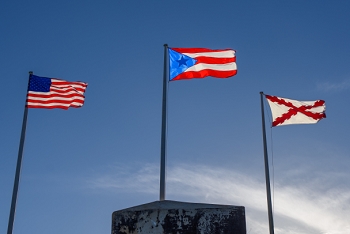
(171, 217)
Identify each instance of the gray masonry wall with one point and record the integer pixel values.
(171, 217)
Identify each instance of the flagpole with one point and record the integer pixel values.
(267, 176)
(18, 169)
(163, 134)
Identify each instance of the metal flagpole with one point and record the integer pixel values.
(18, 169)
(267, 174)
(163, 135)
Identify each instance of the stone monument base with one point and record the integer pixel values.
(172, 217)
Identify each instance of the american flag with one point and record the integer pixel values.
(52, 93)
(188, 63)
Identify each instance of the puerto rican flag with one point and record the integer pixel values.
(287, 111)
(188, 63)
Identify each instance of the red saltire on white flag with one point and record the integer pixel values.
(287, 111)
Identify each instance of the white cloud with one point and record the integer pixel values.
(303, 208)
(326, 86)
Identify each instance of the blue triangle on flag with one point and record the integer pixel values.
(179, 63)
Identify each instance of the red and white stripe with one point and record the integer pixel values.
(215, 63)
(63, 94)
(287, 111)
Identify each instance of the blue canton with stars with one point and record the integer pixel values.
(179, 63)
(39, 84)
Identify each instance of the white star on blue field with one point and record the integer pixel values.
(179, 63)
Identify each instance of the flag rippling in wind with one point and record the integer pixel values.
(287, 111)
(188, 63)
(52, 93)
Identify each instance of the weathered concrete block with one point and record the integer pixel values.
(171, 217)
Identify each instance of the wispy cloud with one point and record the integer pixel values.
(298, 208)
(334, 87)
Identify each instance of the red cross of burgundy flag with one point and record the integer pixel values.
(287, 111)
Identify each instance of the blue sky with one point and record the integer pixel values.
(82, 164)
